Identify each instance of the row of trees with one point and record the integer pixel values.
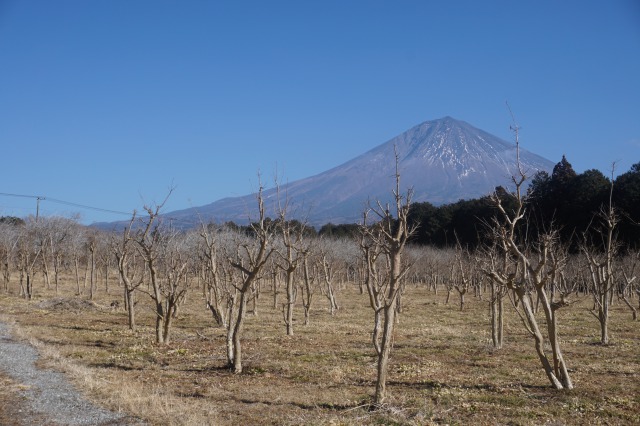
(232, 266)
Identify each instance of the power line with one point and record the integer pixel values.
(68, 203)
(84, 206)
(98, 209)
(22, 196)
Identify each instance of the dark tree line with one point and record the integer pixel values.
(565, 199)
(571, 201)
(331, 230)
(464, 221)
(11, 220)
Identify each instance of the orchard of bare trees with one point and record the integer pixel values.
(146, 263)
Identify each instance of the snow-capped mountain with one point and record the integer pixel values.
(443, 161)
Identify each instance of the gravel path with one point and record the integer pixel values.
(48, 397)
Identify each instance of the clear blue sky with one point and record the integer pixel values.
(109, 103)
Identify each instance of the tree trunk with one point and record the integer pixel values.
(130, 305)
(237, 329)
(77, 269)
(6, 274)
(603, 317)
(171, 310)
(159, 317)
(106, 277)
(29, 292)
(385, 350)
(497, 322)
(634, 312)
(306, 314)
(559, 367)
(377, 327)
(92, 282)
(23, 292)
(86, 275)
(56, 268)
(291, 298)
(500, 321)
(307, 290)
(217, 312)
(539, 340)
(231, 325)
(275, 290)
(332, 301)
(45, 271)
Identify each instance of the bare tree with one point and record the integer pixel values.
(464, 273)
(533, 270)
(9, 237)
(148, 242)
(387, 237)
(29, 252)
(310, 278)
(214, 275)
(291, 253)
(92, 247)
(175, 254)
(275, 281)
(132, 275)
(500, 260)
(628, 285)
(55, 232)
(374, 282)
(166, 255)
(250, 258)
(329, 264)
(75, 245)
(105, 259)
(449, 280)
(530, 268)
(600, 261)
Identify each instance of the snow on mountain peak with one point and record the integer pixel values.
(443, 161)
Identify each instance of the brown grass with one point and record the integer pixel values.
(443, 369)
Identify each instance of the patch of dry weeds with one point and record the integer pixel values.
(443, 369)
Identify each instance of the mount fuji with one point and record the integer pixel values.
(443, 161)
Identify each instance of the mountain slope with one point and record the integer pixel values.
(443, 160)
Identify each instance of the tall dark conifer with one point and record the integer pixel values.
(626, 197)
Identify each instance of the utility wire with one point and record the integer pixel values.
(68, 203)
(84, 206)
(40, 197)
(98, 209)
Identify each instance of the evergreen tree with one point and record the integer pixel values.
(11, 220)
(626, 197)
(586, 195)
(557, 207)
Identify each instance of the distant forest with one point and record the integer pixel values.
(568, 201)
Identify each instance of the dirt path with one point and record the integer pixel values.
(29, 395)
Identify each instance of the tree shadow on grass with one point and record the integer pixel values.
(435, 384)
(113, 365)
(322, 405)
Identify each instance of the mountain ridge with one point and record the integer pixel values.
(443, 160)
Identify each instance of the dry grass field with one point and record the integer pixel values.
(443, 368)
